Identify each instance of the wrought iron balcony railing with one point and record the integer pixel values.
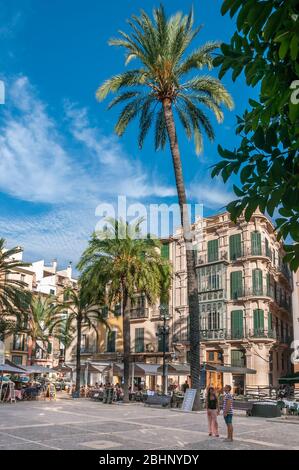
(139, 312)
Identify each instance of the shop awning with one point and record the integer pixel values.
(7, 369)
(176, 369)
(230, 369)
(36, 369)
(96, 367)
(148, 369)
(16, 366)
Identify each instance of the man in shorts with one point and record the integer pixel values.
(228, 412)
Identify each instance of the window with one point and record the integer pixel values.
(269, 287)
(111, 341)
(256, 243)
(258, 322)
(22, 277)
(210, 278)
(19, 343)
(237, 324)
(236, 284)
(257, 281)
(165, 251)
(212, 250)
(139, 340)
(237, 358)
(18, 360)
(270, 322)
(52, 291)
(84, 342)
(211, 356)
(268, 250)
(235, 247)
(213, 318)
(104, 312)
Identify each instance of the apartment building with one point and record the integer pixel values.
(245, 300)
(296, 320)
(105, 349)
(39, 279)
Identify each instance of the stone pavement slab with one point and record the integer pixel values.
(88, 425)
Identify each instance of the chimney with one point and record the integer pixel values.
(54, 264)
(69, 270)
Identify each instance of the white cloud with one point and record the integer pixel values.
(38, 165)
(214, 196)
(41, 164)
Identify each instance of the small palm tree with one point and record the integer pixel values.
(124, 263)
(81, 309)
(159, 93)
(13, 296)
(36, 322)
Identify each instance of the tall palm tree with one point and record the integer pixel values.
(83, 311)
(160, 91)
(119, 259)
(36, 322)
(12, 290)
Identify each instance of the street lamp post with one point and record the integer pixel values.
(163, 331)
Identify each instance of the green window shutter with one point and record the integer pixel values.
(236, 284)
(270, 322)
(237, 358)
(257, 281)
(213, 251)
(268, 278)
(256, 243)
(105, 311)
(139, 340)
(235, 246)
(258, 325)
(111, 341)
(237, 324)
(268, 251)
(165, 251)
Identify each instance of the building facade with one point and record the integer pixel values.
(296, 320)
(43, 280)
(245, 300)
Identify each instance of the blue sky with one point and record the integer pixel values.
(59, 158)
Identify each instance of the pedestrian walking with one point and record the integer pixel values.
(228, 412)
(213, 410)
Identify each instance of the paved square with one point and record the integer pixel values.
(84, 424)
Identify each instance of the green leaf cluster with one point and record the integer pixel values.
(265, 48)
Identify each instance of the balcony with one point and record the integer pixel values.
(212, 335)
(284, 270)
(139, 313)
(236, 335)
(85, 350)
(251, 292)
(249, 252)
(221, 257)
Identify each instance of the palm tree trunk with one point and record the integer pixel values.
(190, 255)
(31, 351)
(127, 344)
(78, 353)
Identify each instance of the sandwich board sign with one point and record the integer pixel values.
(189, 399)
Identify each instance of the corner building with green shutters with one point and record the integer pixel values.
(245, 301)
